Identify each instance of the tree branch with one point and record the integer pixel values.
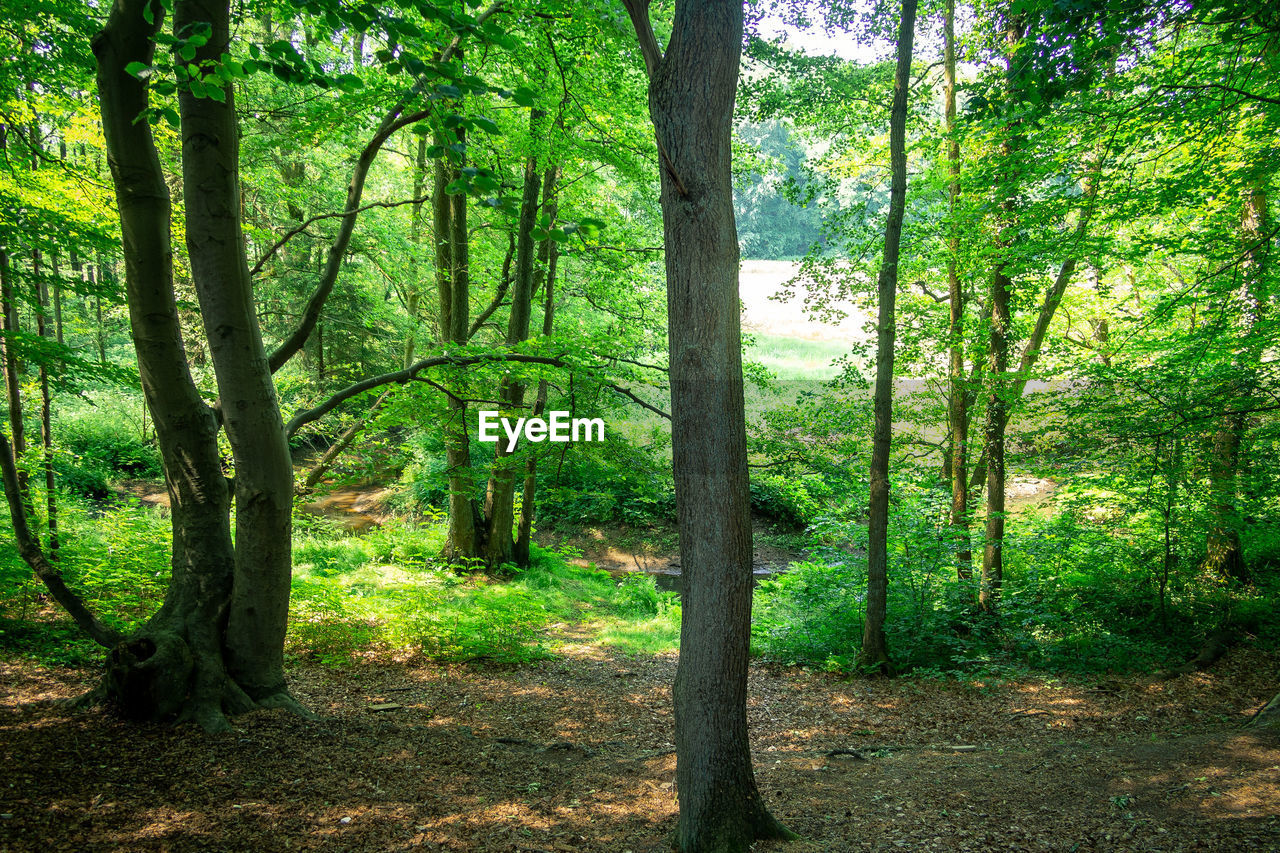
(394, 120)
(638, 10)
(400, 377)
(279, 244)
(641, 403)
(1241, 92)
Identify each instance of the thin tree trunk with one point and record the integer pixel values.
(464, 541)
(1224, 554)
(317, 472)
(548, 255)
(958, 394)
(12, 383)
(500, 496)
(874, 654)
(691, 94)
(998, 401)
(46, 420)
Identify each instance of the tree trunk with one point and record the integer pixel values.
(12, 383)
(1268, 719)
(215, 645)
(998, 401)
(874, 654)
(958, 394)
(263, 472)
(548, 255)
(46, 418)
(464, 541)
(500, 497)
(1224, 555)
(691, 94)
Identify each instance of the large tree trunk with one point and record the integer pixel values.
(691, 94)
(215, 645)
(874, 654)
(958, 394)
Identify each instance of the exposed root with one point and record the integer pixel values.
(288, 703)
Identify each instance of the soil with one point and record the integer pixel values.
(575, 754)
(620, 549)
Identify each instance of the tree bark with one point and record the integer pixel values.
(464, 542)
(259, 604)
(874, 654)
(46, 417)
(691, 95)
(1224, 554)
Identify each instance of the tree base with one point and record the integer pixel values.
(157, 676)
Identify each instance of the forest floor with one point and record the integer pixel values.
(575, 753)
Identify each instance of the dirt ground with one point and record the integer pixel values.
(575, 753)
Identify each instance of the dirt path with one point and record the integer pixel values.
(575, 754)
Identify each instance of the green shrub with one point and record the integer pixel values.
(107, 437)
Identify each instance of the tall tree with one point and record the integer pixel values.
(998, 401)
(691, 93)
(957, 392)
(216, 645)
(874, 653)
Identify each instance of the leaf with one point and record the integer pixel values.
(197, 88)
(140, 70)
(524, 96)
(488, 125)
(216, 93)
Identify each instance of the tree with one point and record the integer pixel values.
(217, 644)
(874, 653)
(691, 94)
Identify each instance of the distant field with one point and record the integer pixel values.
(796, 358)
(787, 341)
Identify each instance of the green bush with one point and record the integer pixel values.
(106, 439)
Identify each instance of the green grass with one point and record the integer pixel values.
(796, 358)
(381, 595)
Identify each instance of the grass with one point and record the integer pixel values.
(796, 358)
(384, 594)
(351, 601)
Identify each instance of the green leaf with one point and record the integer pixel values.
(524, 96)
(216, 93)
(187, 52)
(197, 88)
(488, 125)
(140, 70)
